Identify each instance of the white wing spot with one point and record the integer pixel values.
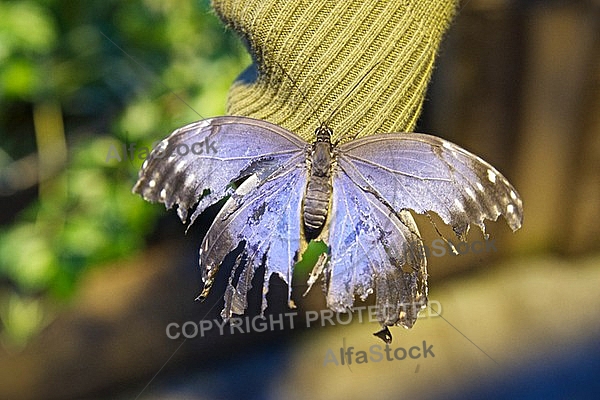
(179, 166)
(152, 183)
(513, 195)
(204, 123)
(163, 194)
(190, 178)
(479, 186)
(452, 148)
(491, 176)
(162, 146)
(145, 164)
(510, 209)
(458, 205)
(470, 193)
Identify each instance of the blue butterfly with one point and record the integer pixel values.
(354, 196)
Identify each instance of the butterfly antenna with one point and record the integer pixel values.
(348, 96)
(301, 93)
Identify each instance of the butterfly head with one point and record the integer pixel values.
(323, 133)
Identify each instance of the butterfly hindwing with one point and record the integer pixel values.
(425, 173)
(265, 215)
(373, 249)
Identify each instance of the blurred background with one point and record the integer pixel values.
(91, 275)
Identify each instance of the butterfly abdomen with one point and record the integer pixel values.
(318, 189)
(316, 204)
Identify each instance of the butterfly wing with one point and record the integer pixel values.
(263, 212)
(266, 216)
(374, 242)
(374, 249)
(197, 163)
(425, 173)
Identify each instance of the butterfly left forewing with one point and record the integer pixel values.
(196, 164)
(263, 212)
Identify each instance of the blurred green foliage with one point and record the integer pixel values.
(89, 75)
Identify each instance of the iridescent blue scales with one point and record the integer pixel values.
(374, 243)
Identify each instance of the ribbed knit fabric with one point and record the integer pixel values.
(328, 47)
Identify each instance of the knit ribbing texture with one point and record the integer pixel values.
(361, 66)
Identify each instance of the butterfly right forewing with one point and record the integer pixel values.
(425, 173)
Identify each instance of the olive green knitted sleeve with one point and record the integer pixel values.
(362, 66)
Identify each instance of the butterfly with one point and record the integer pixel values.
(356, 197)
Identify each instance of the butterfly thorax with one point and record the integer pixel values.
(318, 188)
